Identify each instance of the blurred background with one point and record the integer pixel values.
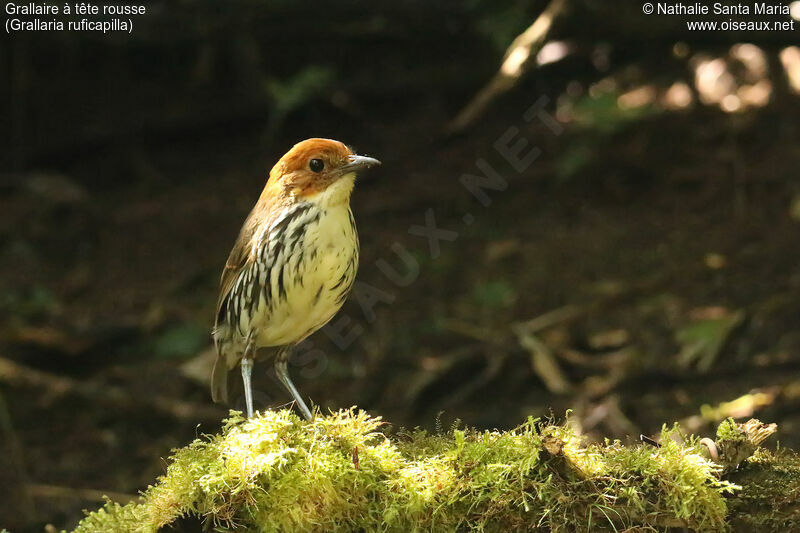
(643, 269)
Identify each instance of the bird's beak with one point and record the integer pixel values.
(358, 162)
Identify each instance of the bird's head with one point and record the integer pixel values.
(318, 170)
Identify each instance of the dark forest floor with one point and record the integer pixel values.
(672, 235)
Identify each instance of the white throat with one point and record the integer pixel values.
(338, 193)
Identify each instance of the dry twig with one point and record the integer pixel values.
(524, 47)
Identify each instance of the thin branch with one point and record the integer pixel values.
(522, 49)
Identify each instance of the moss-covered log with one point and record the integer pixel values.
(348, 472)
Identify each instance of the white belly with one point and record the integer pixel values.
(314, 287)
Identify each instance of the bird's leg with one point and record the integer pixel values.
(282, 370)
(247, 371)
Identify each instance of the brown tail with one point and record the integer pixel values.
(219, 381)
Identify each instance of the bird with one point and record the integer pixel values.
(292, 265)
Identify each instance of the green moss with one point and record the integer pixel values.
(115, 517)
(737, 442)
(728, 431)
(347, 471)
(770, 495)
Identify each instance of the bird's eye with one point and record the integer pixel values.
(316, 165)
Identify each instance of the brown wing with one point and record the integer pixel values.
(238, 259)
(262, 215)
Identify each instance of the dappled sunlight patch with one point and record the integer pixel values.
(638, 97)
(741, 407)
(712, 79)
(678, 96)
(553, 52)
(790, 58)
(794, 10)
(735, 82)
